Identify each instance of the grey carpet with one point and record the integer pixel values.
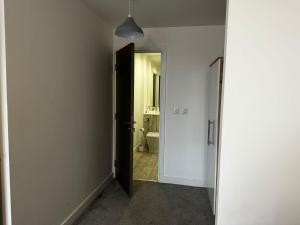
(108, 209)
(152, 204)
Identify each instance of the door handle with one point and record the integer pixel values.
(211, 132)
(129, 123)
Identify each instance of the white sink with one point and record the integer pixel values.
(153, 113)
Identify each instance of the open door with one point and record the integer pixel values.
(124, 117)
(214, 121)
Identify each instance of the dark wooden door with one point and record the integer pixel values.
(124, 116)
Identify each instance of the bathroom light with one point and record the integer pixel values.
(129, 29)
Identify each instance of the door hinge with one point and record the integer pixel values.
(115, 67)
(115, 163)
(116, 116)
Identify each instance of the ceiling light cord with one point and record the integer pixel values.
(129, 8)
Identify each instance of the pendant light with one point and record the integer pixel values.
(129, 29)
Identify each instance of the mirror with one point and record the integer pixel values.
(156, 90)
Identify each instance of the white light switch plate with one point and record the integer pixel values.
(176, 110)
(184, 111)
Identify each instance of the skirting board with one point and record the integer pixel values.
(211, 198)
(183, 181)
(87, 201)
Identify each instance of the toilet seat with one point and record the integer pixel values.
(153, 141)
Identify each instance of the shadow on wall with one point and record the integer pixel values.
(149, 46)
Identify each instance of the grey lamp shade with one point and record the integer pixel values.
(129, 29)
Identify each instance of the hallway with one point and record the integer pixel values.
(152, 204)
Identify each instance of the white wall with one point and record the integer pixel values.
(188, 51)
(260, 152)
(5, 165)
(139, 83)
(59, 58)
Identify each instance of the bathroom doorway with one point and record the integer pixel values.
(147, 83)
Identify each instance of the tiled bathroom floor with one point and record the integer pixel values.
(145, 166)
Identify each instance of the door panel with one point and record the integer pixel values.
(124, 116)
(214, 106)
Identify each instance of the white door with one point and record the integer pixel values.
(214, 87)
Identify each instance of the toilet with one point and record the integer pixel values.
(153, 141)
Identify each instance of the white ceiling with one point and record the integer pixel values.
(162, 13)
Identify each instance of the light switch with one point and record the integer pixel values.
(184, 111)
(176, 110)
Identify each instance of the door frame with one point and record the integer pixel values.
(5, 162)
(162, 108)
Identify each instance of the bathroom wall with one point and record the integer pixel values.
(59, 65)
(143, 89)
(139, 97)
(187, 53)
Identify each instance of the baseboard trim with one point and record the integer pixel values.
(87, 201)
(210, 192)
(183, 181)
